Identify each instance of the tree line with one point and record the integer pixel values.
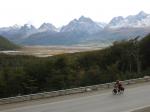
(20, 75)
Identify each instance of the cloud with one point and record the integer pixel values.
(60, 12)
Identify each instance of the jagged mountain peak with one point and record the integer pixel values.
(116, 20)
(28, 27)
(15, 26)
(81, 20)
(47, 27)
(83, 24)
(85, 19)
(139, 20)
(142, 13)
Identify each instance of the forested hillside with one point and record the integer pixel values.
(6, 44)
(28, 74)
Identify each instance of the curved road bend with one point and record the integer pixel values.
(105, 102)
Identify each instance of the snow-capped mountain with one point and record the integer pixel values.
(82, 30)
(27, 30)
(16, 33)
(47, 27)
(133, 21)
(11, 28)
(83, 24)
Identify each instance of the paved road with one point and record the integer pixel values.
(106, 102)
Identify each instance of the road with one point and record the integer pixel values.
(133, 98)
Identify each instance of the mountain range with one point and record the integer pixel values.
(80, 31)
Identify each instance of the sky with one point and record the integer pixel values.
(61, 12)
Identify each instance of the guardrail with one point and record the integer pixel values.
(69, 91)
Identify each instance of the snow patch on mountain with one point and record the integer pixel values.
(83, 24)
(133, 21)
(47, 27)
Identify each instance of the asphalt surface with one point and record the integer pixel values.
(133, 98)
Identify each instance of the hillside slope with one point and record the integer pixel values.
(6, 44)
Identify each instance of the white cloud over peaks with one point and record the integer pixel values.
(60, 12)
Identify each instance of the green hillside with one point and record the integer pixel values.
(6, 44)
(28, 74)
